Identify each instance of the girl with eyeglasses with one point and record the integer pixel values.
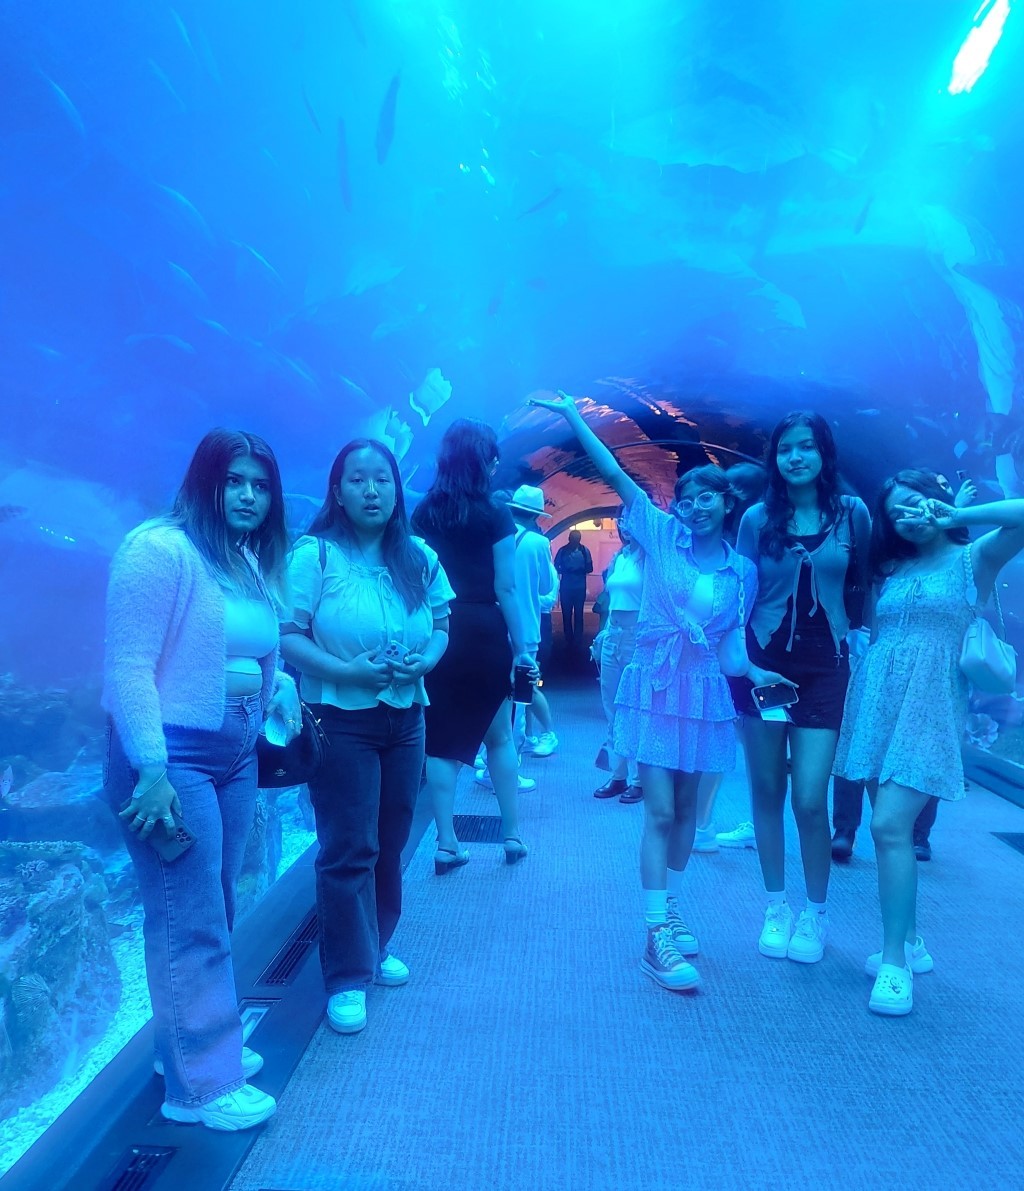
(810, 545)
(674, 713)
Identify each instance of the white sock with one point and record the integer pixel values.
(816, 907)
(675, 882)
(777, 899)
(655, 906)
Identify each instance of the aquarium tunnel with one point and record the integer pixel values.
(342, 219)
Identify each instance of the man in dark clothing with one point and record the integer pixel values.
(573, 564)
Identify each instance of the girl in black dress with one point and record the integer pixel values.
(470, 690)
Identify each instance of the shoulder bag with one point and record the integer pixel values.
(298, 761)
(986, 658)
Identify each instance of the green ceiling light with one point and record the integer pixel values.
(973, 58)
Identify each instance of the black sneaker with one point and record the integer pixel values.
(842, 845)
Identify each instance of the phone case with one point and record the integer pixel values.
(792, 698)
(169, 846)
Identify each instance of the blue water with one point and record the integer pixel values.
(331, 218)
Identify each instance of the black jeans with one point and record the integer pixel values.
(572, 597)
(363, 799)
(848, 802)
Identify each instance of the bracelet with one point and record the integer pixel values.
(152, 784)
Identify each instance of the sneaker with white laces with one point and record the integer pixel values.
(546, 744)
(392, 971)
(685, 939)
(705, 839)
(251, 1063)
(241, 1109)
(483, 778)
(893, 991)
(919, 960)
(807, 945)
(346, 1011)
(663, 962)
(777, 931)
(740, 837)
(530, 743)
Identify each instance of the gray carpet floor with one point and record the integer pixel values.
(529, 1050)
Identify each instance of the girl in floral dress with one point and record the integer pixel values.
(907, 703)
(674, 713)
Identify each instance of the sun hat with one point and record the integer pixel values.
(529, 500)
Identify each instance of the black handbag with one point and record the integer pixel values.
(295, 763)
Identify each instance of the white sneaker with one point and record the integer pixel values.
(483, 778)
(530, 743)
(228, 1113)
(705, 839)
(480, 762)
(893, 991)
(251, 1063)
(392, 971)
(346, 1011)
(807, 945)
(739, 837)
(778, 928)
(546, 744)
(918, 959)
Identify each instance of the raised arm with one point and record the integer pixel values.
(991, 552)
(605, 462)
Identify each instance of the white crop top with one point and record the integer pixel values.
(250, 632)
(625, 582)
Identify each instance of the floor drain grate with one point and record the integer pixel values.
(1014, 838)
(284, 965)
(137, 1168)
(478, 829)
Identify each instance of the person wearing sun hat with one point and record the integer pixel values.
(536, 591)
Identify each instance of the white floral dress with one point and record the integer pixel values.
(907, 703)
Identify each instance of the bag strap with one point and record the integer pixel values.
(972, 593)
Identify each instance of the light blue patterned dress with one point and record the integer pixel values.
(673, 708)
(907, 702)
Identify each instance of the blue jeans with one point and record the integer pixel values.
(363, 798)
(189, 902)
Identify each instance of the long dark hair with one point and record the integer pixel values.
(747, 480)
(405, 561)
(198, 510)
(775, 537)
(887, 547)
(468, 451)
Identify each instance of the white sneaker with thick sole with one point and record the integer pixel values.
(705, 839)
(777, 931)
(251, 1063)
(530, 743)
(739, 837)
(893, 991)
(228, 1113)
(807, 944)
(392, 971)
(546, 744)
(346, 1011)
(483, 778)
(918, 959)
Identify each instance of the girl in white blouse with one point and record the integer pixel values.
(369, 619)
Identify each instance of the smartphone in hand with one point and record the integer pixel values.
(774, 695)
(168, 845)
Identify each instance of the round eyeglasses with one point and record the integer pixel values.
(705, 500)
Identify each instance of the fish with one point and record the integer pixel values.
(183, 30)
(386, 120)
(71, 111)
(310, 111)
(344, 184)
(189, 208)
(187, 281)
(489, 178)
(862, 217)
(353, 19)
(8, 779)
(166, 83)
(260, 259)
(544, 202)
(174, 341)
